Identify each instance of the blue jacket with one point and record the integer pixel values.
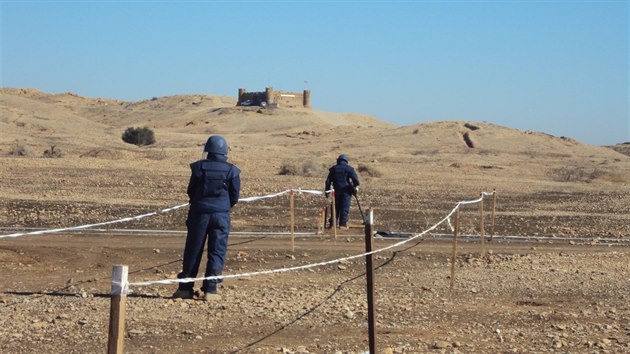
(214, 186)
(343, 178)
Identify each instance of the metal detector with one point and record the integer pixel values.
(360, 210)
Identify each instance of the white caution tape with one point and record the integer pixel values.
(466, 202)
(49, 231)
(252, 199)
(249, 199)
(450, 225)
(306, 266)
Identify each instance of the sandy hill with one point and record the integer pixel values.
(548, 184)
(623, 148)
(269, 138)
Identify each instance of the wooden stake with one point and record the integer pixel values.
(454, 256)
(334, 215)
(494, 205)
(292, 206)
(482, 232)
(369, 271)
(115, 344)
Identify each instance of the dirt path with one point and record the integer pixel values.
(519, 298)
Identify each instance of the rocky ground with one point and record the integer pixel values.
(562, 287)
(540, 297)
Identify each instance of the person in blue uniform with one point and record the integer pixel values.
(345, 182)
(213, 190)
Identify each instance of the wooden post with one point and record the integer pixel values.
(454, 256)
(334, 215)
(482, 232)
(494, 205)
(116, 342)
(369, 271)
(292, 206)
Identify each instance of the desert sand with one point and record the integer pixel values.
(563, 288)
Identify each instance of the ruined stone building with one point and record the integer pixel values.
(271, 98)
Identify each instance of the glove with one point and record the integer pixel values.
(355, 190)
(327, 194)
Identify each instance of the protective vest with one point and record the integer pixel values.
(209, 185)
(340, 176)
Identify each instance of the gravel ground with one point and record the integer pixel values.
(535, 297)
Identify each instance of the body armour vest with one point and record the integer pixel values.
(340, 175)
(209, 185)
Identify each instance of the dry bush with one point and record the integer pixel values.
(308, 169)
(288, 169)
(370, 171)
(20, 150)
(52, 153)
(311, 169)
(575, 174)
(139, 136)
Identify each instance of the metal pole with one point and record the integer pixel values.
(369, 271)
(454, 256)
(116, 341)
(494, 205)
(292, 206)
(360, 210)
(482, 232)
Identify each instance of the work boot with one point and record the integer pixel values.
(210, 293)
(183, 294)
(211, 297)
(343, 227)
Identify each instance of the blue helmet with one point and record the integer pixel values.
(216, 144)
(342, 157)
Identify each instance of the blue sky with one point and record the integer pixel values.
(560, 67)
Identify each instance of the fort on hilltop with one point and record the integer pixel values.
(271, 98)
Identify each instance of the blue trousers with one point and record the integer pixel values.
(215, 227)
(342, 207)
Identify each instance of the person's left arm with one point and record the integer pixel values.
(353, 177)
(234, 188)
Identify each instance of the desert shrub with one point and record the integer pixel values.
(52, 152)
(416, 131)
(288, 169)
(307, 169)
(575, 174)
(139, 136)
(311, 169)
(19, 150)
(369, 170)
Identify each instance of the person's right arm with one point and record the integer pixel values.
(328, 183)
(191, 184)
